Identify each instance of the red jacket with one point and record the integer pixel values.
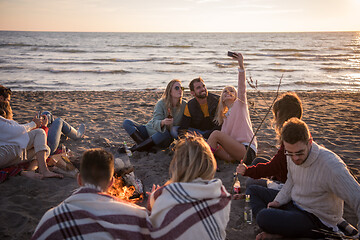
(277, 167)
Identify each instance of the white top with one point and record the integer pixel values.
(13, 133)
(321, 185)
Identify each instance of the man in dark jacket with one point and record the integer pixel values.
(200, 111)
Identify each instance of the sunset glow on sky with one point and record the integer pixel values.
(180, 15)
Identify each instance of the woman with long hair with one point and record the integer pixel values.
(167, 113)
(192, 204)
(287, 106)
(231, 143)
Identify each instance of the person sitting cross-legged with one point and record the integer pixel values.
(311, 202)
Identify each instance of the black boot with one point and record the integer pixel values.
(144, 146)
(137, 137)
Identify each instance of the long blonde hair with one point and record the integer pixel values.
(222, 109)
(167, 95)
(192, 159)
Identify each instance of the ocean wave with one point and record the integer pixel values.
(70, 51)
(86, 71)
(175, 63)
(340, 69)
(70, 62)
(37, 48)
(10, 67)
(302, 56)
(282, 70)
(15, 45)
(325, 83)
(208, 51)
(19, 82)
(225, 65)
(352, 45)
(169, 71)
(123, 60)
(157, 46)
(180, 46)
(287, 50)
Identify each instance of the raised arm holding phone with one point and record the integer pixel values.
(231, 143)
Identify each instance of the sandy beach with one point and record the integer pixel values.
(333, 118)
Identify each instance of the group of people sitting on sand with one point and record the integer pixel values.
(300, 192)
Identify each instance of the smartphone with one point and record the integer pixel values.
(231, 54)
(39, 114)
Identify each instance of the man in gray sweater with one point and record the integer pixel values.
(311, 202)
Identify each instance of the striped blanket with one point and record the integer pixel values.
(196, 210)
(90, 214)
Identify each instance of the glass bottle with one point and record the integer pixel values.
(127, 150)
(247, 210)
(237, 186)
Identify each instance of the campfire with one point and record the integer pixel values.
(126, 186)
(122, 190)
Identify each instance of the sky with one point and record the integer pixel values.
(180, 15)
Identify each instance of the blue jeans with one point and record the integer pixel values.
(175, 134)
(162, 139)
(288, 220)
(57, 127)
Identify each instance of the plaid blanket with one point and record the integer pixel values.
(90, 214)
(196, 210)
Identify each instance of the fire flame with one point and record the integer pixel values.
(119, 190)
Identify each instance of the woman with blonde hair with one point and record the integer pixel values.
(191, 204)
(231, 143)
(167, 113)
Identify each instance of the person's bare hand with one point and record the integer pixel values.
(44, 121)
(153, 189)
(241, 168)
(240, 59)
(273, 204)
(37, 121)
(167, 121)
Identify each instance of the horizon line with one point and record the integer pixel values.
(323, 31)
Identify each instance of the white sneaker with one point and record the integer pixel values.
(81, 131)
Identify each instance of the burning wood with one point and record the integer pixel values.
(127, 193)
(126, 186)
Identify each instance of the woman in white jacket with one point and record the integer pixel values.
(18, 141)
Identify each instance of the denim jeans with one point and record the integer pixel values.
(175, 134)
(57, 127)
(262, 182)
(288, 220)
(162, 139)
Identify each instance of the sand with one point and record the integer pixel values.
(333, 118)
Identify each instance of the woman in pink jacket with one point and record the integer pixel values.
(231, 143)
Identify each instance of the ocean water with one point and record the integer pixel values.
(128, 61)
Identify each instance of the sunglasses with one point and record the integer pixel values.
(177, 88)
(298, 154)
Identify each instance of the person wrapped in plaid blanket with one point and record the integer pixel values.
(192, 204)
(90, 213)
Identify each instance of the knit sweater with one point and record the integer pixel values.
(160, 113)
(321, 185)
(238, 123)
